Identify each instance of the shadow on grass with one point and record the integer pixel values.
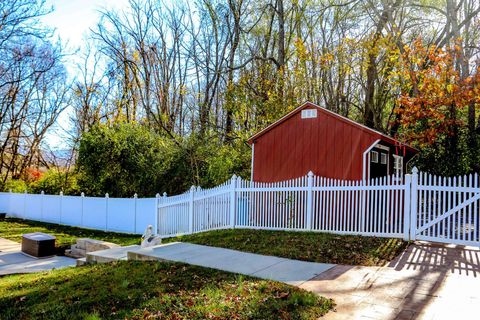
(138, 290)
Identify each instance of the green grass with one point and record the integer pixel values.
(308, 246)
(152, 290)
(13, 229)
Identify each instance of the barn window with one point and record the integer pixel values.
(398, 166)
(309, 113)
(374, 156)
(383, 158)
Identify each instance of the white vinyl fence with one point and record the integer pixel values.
(130, 215)
(419, 207)
(308, 203)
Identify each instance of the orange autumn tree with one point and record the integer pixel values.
(432, 106)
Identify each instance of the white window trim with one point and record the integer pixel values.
(374, 156)
(379, 146)
(366, 161)
(309, 113)
(252, 162)
(397, 172)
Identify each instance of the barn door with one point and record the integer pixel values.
(445, 209)
(379, 162)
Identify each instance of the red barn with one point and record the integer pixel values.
(314, 138)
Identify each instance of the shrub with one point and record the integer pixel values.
(55, 181)
(224, 160)
(16, 185)
(125, 159)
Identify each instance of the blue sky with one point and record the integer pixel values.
(72, 20)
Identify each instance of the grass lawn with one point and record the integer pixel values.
(13, 229)
(152, 290)
(308, 246)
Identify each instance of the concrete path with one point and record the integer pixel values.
(289, 271)
(12, 260)
(9, 245)
(427, 281)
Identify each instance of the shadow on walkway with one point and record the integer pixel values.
(427, 281)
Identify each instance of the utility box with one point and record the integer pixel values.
(38, 245)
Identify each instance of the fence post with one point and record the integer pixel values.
(10, 202)
(363, 205)
(407, 207)
(25, 204)
(413, 204)
(135, 196)
(82, 195)
(61, 206)
(233, 185)
(42, 194)
(106, 212)
(310, 176)
(190, 210)
(157, 205)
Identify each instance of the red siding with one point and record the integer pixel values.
(328, 145)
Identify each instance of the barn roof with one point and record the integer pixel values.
(362, 127)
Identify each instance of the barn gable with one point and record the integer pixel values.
(310, 105)
(328, 144)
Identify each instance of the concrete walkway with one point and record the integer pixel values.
(9, 245)
(427, 281)
(12, 260)
(289, 271)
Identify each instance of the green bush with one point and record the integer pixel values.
(15, 185)
(224, 160)
(55, 181)
(125, 159)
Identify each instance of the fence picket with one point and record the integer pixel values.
(464, 210)
(475, 212)
(469, 234)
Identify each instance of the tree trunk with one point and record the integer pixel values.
(369, 106)
(281, 48)
(235, 9)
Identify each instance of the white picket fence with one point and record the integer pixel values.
(421, 207)
(130, 215)
(308, 203)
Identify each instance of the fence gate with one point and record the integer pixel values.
(445, 209)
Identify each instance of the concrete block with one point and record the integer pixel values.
(75, 252)
(110, 255)
(81, 262)
(97, 246)
(91, 245)
(82, 243)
